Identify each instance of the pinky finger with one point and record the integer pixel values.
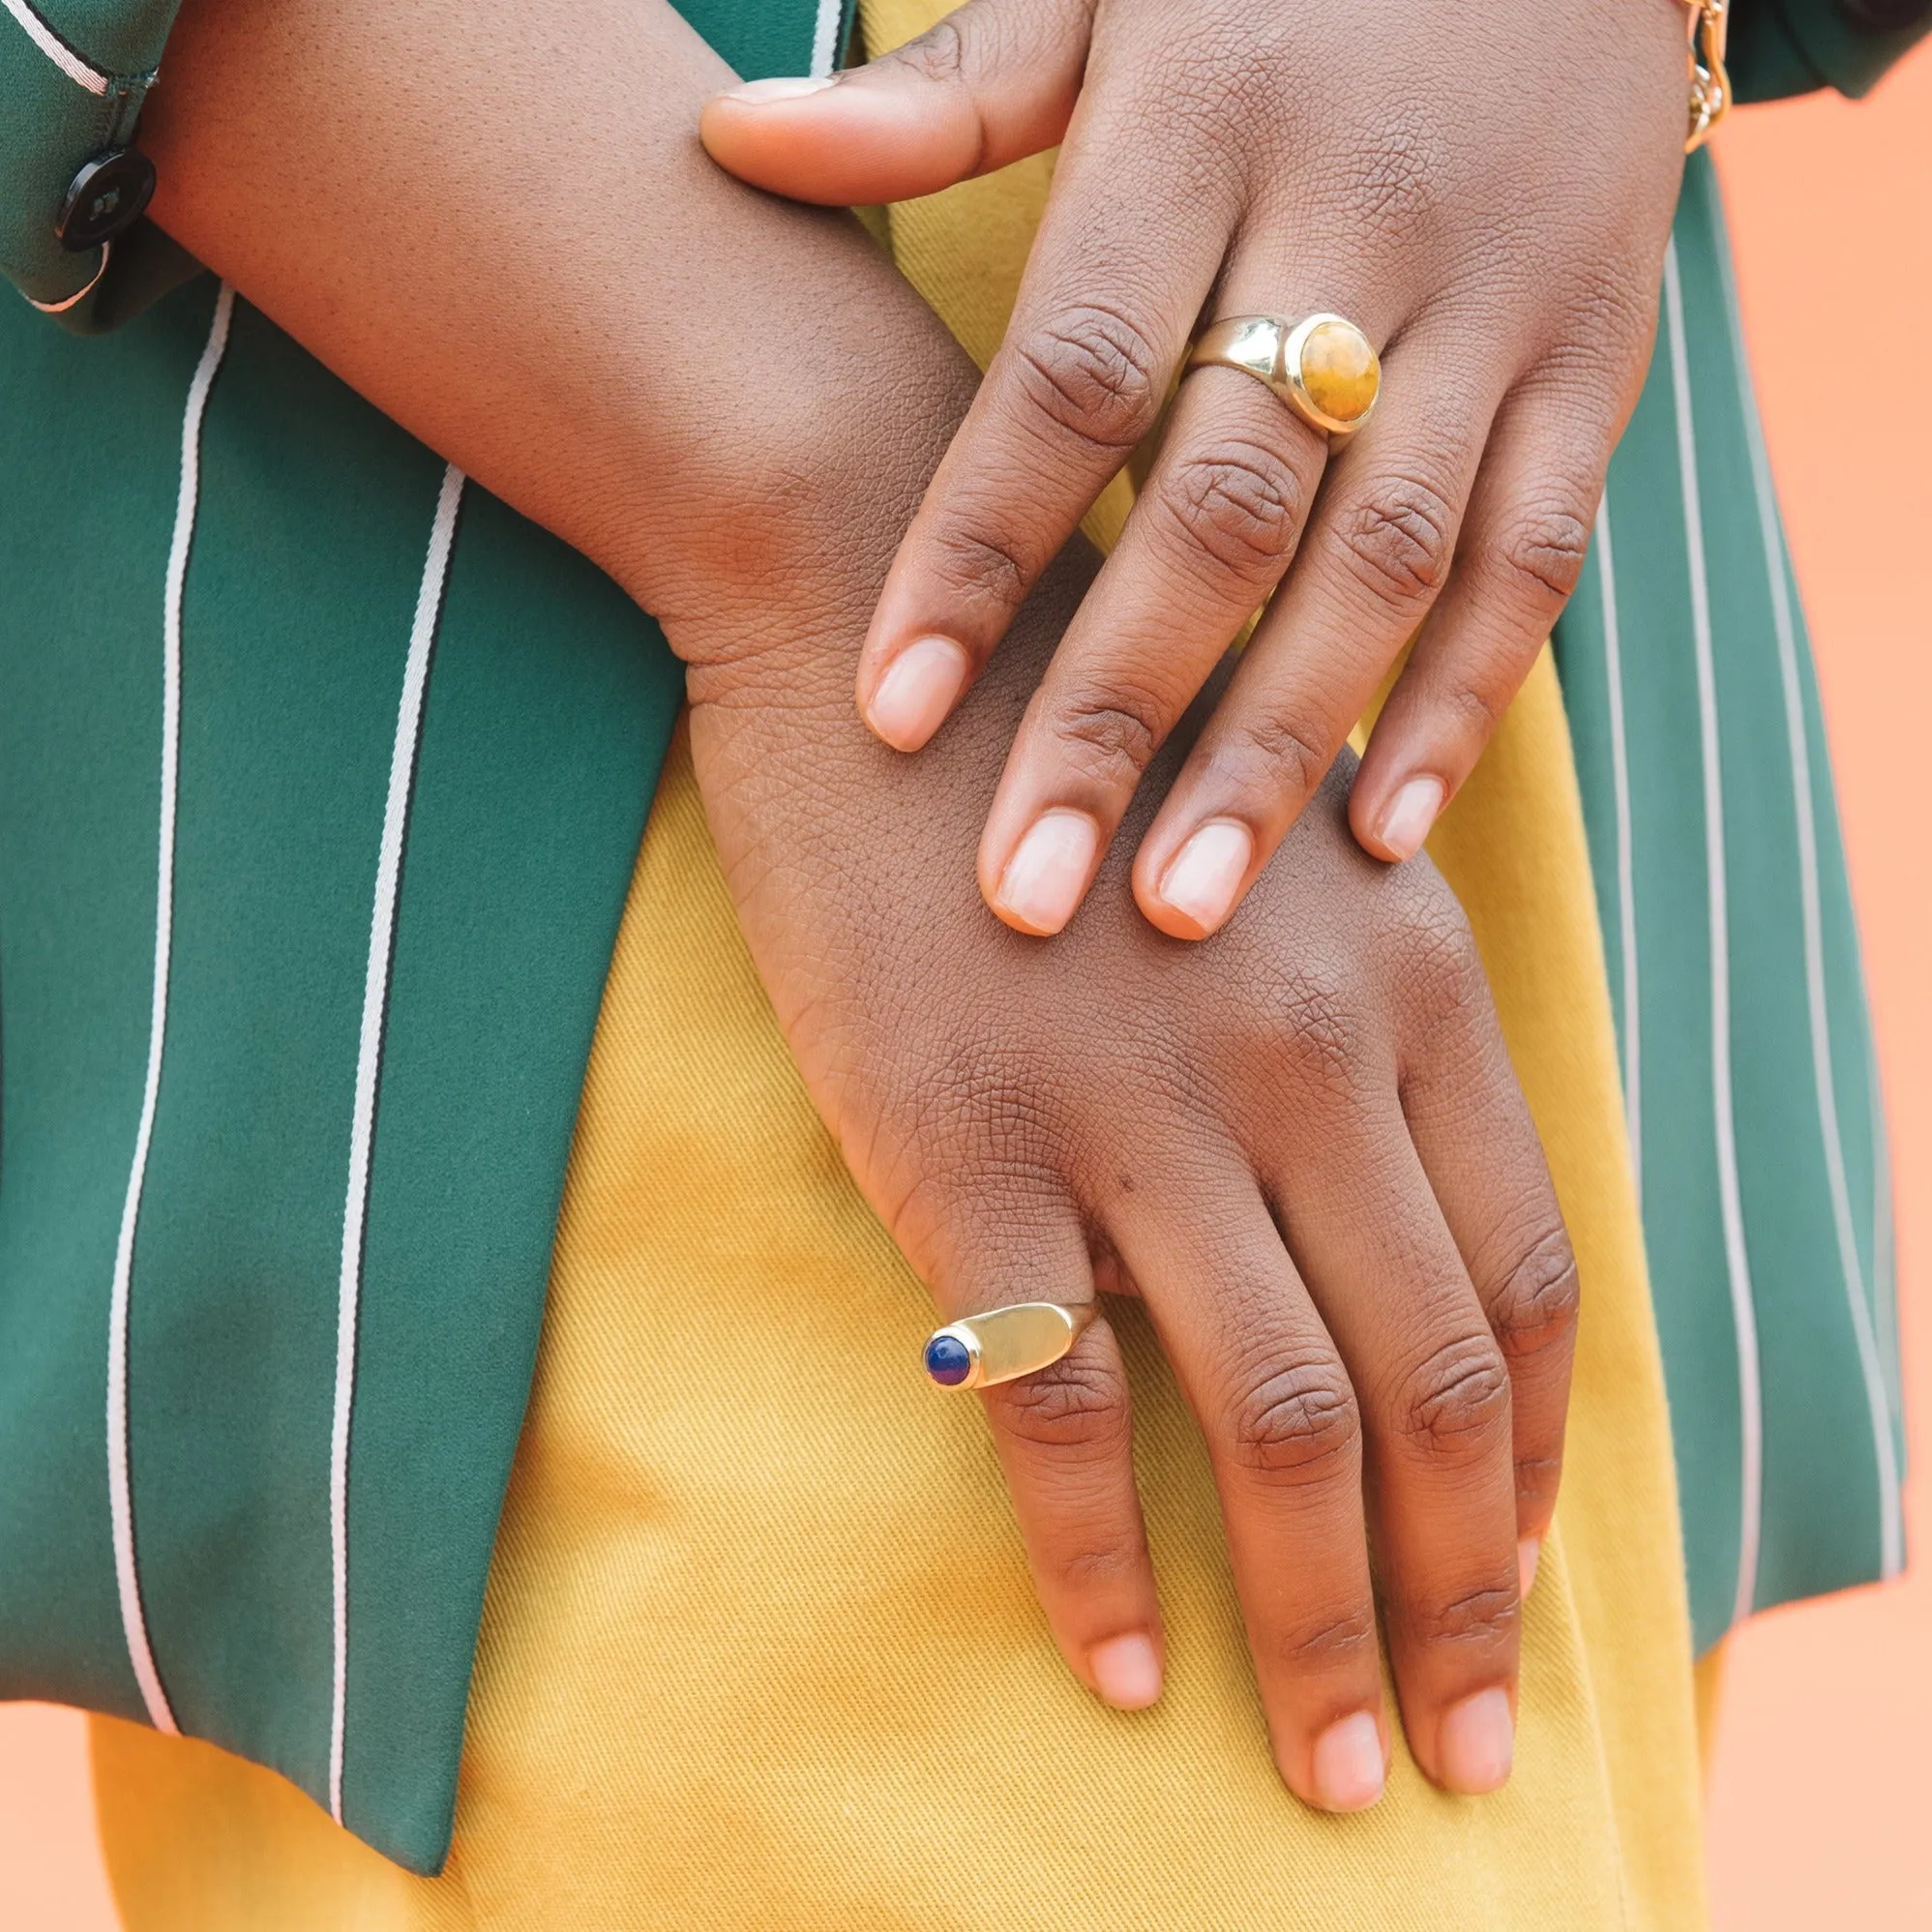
(1521, 550)
(1064, 1437)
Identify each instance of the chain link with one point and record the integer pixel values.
(1710, 82)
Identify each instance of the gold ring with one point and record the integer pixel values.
(1323, 366)
(1004, 1344)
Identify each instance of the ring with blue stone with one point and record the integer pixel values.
(1004, 1344)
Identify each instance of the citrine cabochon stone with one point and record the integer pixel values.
(1340, 371)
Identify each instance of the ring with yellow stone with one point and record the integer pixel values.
(1323, 366)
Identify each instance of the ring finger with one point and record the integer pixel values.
(1274, 1405)
(1373, 559)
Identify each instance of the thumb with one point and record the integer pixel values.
(995, 81)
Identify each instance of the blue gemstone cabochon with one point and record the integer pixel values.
(947, 1361)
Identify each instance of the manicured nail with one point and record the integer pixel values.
(1126, 1671)
(1347, 1765)
(1045, 876)
(754, 93)
(1411, 814)
(920, 686)
(1527, 1553)
(1477, 1743)
(1203, 877)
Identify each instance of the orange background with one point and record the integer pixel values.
(1819, 1791)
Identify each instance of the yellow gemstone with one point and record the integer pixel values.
(1340, 371)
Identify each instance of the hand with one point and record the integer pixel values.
(1486, 189)
(1302, 1145)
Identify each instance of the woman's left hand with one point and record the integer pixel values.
(1484, 185)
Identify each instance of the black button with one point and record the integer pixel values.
(108, 196)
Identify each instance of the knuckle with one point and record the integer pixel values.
(1391, 182)
(1479, 1617)
(1240, 506)
(940, 54)
(1456, 1402)
(1322, 1028)
(1332, 1643)
(1538, 1480)
(1077, 1404)
(1278, 754)
(1090, 1565)
(1295, 1423)
(1436, 952)
(1540, 552)
(1110, 737)
(971, 559)
(1540, 1298)
(1397, 541)
(1093, 373)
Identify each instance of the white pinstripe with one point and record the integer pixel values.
(369, 1067)
(1878, 1402)
(57, 49)
(1626, 871)
(1738, 1266)
(1884, 1271)
(81, 294)
(824, 37)
(120, 1485)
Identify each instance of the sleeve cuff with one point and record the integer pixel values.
(1781, 47)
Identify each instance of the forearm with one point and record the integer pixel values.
(495, 221)
(730, 402)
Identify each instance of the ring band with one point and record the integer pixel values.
(1004, 1344)
(1323, 366)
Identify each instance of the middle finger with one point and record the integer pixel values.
(1434, 1391)
(1213, 531)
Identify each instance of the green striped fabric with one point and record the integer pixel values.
(348, 1098)
(321, 778)
(1734, 964)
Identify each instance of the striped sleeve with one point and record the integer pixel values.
(73, 76)
(1779, 48)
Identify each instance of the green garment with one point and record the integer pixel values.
(73, 77)
(374, 755)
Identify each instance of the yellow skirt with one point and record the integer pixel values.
(760, 1653)
(760, 1649)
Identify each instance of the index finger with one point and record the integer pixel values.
(1117, 276)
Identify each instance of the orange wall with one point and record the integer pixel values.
(1819, 1794)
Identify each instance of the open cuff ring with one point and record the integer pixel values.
(1004, 1344)
(1323, 366)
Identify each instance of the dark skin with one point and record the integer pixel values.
(1486, 190)
(1302, 1145)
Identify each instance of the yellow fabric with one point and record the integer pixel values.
(760, 1649)
(1709, 1676)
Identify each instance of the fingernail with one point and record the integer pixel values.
(1347, 1765)
(1411, 814)
(1477, 1743)
(1043, 879)
(1201, 881)
(920, 686)
(1527, 1553)
(786, 88)
(1126, 1671)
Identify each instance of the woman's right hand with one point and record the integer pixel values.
(1301, 1144)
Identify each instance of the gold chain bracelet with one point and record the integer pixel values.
(1710, 83)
